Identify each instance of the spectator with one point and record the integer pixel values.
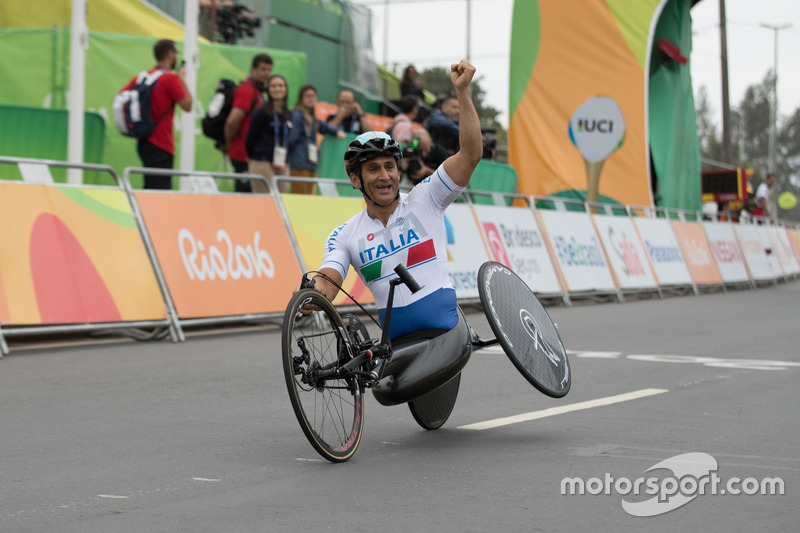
(762, 198)
(303, 138)
(443, 124)
(411, 84)
(157, 150)
(350, 117)
(268, 136)
(247, 97)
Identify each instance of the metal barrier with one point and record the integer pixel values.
(202, 183)
(40, 167)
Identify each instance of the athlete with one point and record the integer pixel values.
(399, 228)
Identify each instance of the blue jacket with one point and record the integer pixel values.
(300, 136)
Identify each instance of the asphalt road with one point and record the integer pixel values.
(200, 436)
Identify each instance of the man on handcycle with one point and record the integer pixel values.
(399, 228)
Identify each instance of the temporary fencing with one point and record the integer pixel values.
(85, 258)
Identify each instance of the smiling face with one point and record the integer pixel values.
(277, 89)
(309, 99)
(381, 179)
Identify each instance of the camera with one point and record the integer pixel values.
(235, 22)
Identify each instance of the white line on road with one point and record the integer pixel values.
(535, 415)
(112, 496)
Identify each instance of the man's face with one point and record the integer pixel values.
(450, 109)
(381, 179)
(172, 55)
(345, 99)
(262, 72)
(771, 181)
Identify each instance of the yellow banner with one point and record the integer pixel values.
(312, 219)
(72, 255)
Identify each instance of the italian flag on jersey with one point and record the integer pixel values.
(417, 254)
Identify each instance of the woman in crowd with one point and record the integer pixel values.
(268, 136)
(303, 138)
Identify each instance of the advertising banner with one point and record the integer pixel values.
(783, 250)
(465, 250)
(755, 255)
(664, 251)
(312, 218)
(578, 251)
(625, 252)
(794, 242)
(72, 255)
(513, 238)
(696, 252)
(221, 254)
(728, 255)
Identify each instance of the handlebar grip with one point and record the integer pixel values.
(407, 278)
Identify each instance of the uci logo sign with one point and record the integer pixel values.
(597, 128)
(600, 126)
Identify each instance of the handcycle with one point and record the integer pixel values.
(330, 360)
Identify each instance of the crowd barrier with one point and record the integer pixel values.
(108, 257)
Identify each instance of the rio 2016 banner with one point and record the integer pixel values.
(72, 255)
(221, 254)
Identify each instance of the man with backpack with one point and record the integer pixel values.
(158, 92)
(247, 97)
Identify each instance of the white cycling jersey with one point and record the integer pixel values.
(415, 237)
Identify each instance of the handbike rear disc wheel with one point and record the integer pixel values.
(330, 411)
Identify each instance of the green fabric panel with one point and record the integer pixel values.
(35, 73)
(525, 31)
(494, 177)
(674, 144)
(39, 133)
(633, 19)
(331, 162)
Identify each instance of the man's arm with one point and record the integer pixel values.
(232, 125)
(460, 165)
(185, 103)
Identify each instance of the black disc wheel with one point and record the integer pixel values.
(330, 409)
(432, 410)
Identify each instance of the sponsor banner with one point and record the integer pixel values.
(625, 252)
(759, 263)
(221, 254)
(578, 251)
(728, 255)
(664, 252)
(513, 239)
(794, 242)
(782, 250)
(696, 252)
(72, 255)
(312, 218)
(465, 251)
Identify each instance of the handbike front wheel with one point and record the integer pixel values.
(330, 410)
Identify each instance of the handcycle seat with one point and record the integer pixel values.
(423, 361)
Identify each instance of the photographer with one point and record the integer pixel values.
(420, 156)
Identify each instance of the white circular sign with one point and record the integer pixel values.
(597, 128)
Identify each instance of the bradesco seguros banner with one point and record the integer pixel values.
(578, 251)
(696, 252)
(312, 219)
(221, 254)
(465, 250)
(625, 252)
(513, 238)
(72, 255)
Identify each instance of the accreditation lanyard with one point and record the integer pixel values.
(279, 155)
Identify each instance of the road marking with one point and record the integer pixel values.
(112, 496)
(205, 479)
(535, 415)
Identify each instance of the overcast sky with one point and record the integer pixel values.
(434, 32)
